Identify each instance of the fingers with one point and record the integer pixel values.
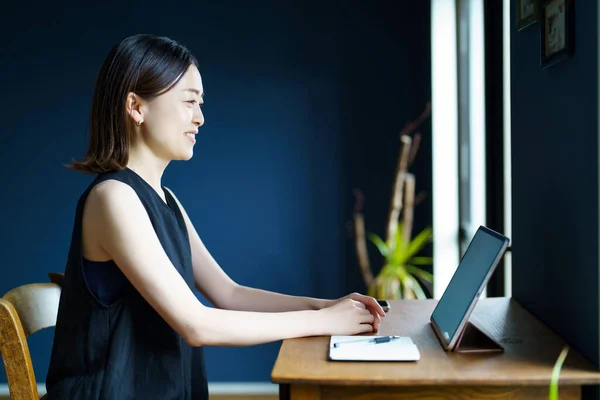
(372, 318)
(376, 322)
(359, 304)
(367, 319)
(368, 302)
(374, 305)
(370, 312)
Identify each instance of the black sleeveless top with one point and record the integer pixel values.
(124, 350)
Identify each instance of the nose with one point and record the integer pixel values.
(198, 118)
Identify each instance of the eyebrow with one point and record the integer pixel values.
(196, 91)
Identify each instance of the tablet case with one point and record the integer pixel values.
(473, 339)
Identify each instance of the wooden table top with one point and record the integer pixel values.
(530, 351)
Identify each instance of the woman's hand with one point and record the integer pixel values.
(370, 304)
(346, 317)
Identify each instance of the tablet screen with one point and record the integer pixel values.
(475, 267)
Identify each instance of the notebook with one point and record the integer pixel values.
(401, 349)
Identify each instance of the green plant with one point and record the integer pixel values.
(401, 274)
(401, 269)
(556, 373)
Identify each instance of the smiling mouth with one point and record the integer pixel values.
(191, 136)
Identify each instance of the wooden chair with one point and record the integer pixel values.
(23, 311)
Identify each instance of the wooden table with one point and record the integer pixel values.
(522, 371)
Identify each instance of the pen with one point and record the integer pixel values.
(377, 340)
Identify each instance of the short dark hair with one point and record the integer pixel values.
(143, 64)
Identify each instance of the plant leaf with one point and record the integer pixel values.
(426, 276)
(399, 254)
(399, 243)
(556, 372)
(400, 289)
(416, 287)
(377, 241)
(387, 271)
(403, 252)
(397, 270)
(392, 242)
(419, 242)
(421, 260)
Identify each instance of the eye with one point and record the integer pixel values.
(193, 102)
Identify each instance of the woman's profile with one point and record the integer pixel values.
(129, 325)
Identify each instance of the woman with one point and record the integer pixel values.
(129, 325)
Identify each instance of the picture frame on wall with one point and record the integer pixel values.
(557, 31)
(528, 13)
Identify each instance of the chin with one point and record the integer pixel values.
(184, 157)
(181, 153)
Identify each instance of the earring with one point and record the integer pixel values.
(138, 123)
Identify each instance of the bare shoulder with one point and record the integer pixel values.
(110, 193)
(108, 200)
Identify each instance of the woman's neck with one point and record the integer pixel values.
(149, 168)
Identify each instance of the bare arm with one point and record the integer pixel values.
(250, 299)
(223, 292)
(124, 231)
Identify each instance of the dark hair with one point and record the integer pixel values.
(143, 64)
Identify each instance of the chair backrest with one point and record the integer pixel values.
(23, 311)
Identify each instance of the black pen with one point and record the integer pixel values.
(377, 340)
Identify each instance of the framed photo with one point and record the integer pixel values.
(528, 13)
(557, 31)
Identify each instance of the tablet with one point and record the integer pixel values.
(476, 266)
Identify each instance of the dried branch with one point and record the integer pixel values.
(360, 201)
(361, 240)
(409, 207)
(420, 197)
(397, 189)
(415, 148)
(410, 127)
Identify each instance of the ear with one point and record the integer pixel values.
(133, 106)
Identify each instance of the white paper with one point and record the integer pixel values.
(402, 349)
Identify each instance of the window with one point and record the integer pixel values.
(471, 160)
(444, 123)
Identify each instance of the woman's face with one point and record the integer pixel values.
(171, 120)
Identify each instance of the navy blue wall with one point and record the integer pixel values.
(555, 182)
(303, 103)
